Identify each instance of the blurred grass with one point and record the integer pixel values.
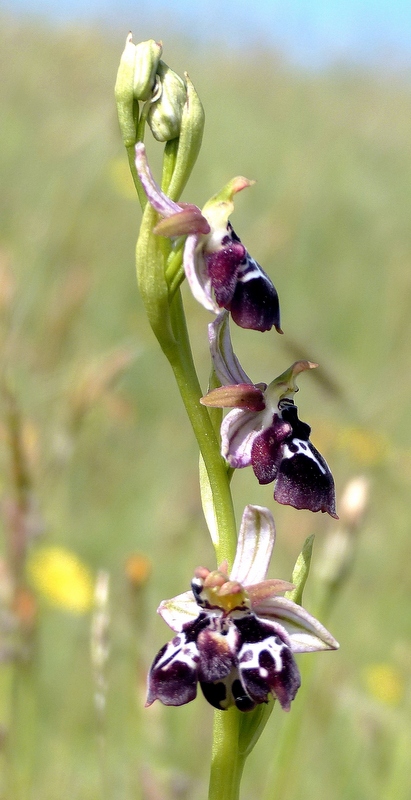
(111, 458)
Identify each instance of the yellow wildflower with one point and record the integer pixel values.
(62, 578)
(385, 683)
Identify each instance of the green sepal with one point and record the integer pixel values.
(221, 205)
(189, 141)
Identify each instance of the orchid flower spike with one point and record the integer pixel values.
(263, 428)
(234, 635)
(218, 268)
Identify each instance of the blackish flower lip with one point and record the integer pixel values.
(241, 286)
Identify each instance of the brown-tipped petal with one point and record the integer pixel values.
(230, 587)
(241, 395)
(215, 578)
(301, 366)
(201, 572)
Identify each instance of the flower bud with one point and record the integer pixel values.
(135, 81)
(189, 143)
(127, 109)
(165, 114)
(146, 60)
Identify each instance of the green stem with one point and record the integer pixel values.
(181, 360)
(226, 765)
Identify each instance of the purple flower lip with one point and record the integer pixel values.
(234, 635)
(241, 286)
(263, 429)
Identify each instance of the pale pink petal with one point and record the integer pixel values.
(254, 547)
(226, 364)
(155, 196)
(196, 274)
(238, 431)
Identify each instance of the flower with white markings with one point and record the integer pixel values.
(234, 634)
(220, 271)
(263, 428)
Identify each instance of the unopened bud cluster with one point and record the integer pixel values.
(144, 77)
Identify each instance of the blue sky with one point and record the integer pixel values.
(309, 31)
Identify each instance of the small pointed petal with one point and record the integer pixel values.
(226, 364)
(255, 544)
(196, 273)
(178, 611)
(241, 395)
(230, 587)
(188, 220)
(260, 591)
(238, 432)
(160, 202)
(306, 633)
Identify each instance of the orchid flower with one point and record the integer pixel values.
(234, 635)
(218, 268)
(263, 428)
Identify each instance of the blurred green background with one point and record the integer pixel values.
(98, 459)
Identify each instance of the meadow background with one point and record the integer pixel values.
(98, 463)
